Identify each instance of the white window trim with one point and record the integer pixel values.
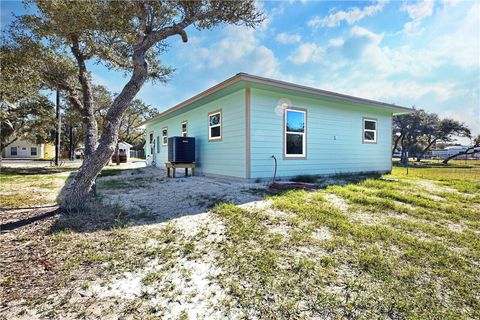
(164, 137)
(184, 133)
(304, 134)
(210, 138)
(370, 130)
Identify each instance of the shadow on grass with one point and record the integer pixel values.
(97, 216)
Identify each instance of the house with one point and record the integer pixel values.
(453, 150)
(123, 152)
(240, 123)
(25, 149)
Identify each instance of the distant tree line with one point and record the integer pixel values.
(416, 133)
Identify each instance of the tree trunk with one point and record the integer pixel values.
(88, 112)
(91, 134)
(466, 152)
(420, 156)
(78, 191)
(395, 144)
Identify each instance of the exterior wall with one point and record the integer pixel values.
(24, 150)
(334, 137)
(226, 157)
(48, 151)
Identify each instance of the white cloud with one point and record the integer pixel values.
(351, 16)
(286, 38)
(307, 52)
(239, 50)
(417, 12)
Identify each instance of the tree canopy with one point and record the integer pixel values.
(121, 35)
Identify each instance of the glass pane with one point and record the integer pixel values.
(369, 135)
(214, 119)
(164, 132)
(215, 132)
(370, 125)
(294, 143)
(295, 121)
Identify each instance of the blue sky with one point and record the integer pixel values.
(424, 54)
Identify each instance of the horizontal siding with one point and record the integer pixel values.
(334, 138)
(226, 157)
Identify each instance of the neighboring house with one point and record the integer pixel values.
(453, 150)
(123, 152)
(24, 149)
(242, 122)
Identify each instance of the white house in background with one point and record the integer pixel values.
(24, 149)
(452, 150)
(123, 151)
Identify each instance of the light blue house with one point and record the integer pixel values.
(242, 122)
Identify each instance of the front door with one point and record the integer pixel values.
(23, 153)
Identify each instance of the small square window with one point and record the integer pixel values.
(13, 151)
(215, 126)
(164, 136)
(33, 151)
(369, 130)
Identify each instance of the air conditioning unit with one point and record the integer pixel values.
(181, 149)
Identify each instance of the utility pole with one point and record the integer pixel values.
(57, 133)
(71, 151)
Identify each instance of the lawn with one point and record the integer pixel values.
(403, 246)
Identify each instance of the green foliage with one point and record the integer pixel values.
(31, 118)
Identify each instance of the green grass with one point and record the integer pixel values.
(403, 246)
(31, 187)
(397, 252)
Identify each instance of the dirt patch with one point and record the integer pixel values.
(337, 202)
(148, 192)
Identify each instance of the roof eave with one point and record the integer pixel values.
(281, 84)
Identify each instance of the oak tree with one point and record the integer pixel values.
(122, 35)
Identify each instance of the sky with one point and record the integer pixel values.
(412, 53)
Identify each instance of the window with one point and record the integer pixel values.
(33, 151)
(152, 143)
(295, 133)
(13, 151)
(215, 126)
(164, 136)
(369, 130)
(184, 128)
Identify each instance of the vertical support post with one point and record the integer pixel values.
(57, 133)
(117, 155)
(70, 148)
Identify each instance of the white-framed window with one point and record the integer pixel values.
(215, 125)
(184, 128)
(164, 136)
(13, 151)
(295, 129)
(33, 151)
(369, 130)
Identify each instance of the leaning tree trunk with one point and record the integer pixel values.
(466, 152)
(420, 156)
(81, 185)
(395, 144)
